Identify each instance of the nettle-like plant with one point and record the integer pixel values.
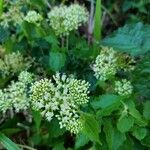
(61, 91)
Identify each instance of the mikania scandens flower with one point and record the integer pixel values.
(105, 65)
(13, 63)
(15, 96)
(64, 19)
(42, 98)
(33, 17)
(13, 15)
(61, 99)
(123, 87)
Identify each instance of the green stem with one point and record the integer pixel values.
(26, 147)
(67, 42)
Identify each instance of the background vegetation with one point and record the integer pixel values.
(110, 121)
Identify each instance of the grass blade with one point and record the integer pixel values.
(1, 7)
(97, 21)
(7, 143)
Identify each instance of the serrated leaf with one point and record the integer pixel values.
(146, 110)
(124, 124)
(146, 141)
(106, 103)
(139, 133)
(57, 60)
(54, 129)
(91, 127)
(7, 143)
(114, 138)
(81, 140)
(133, 39)
(136, 114)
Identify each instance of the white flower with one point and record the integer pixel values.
(33, 17)
(42, 93)
(13, 16)
(15, 96)
(105, 65)
(69, 117)
(123, 88)
(60, 99)
(64, 19)
(13, 63)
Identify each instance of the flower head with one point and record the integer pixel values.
(105, 65)
(123, 88)
(15, 96)
(42, 97)
(13, 63)
(61, 99)
(33, 17)
(14, 15)
(64, 19)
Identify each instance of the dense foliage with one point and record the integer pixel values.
(65, 85)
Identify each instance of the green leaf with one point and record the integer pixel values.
(124, 124)
(4, 34)
(139, 133)
(54, 128)
(91, 127)
(10, 131)
(59, 146)
(51, 39)
(31, 31)
(7, 143)
(106, 103)
(57, 60)
(128, 144)
(146, 140)
(1, 7)
(81, 140)
(135, 114)
(141, 78)
(132, 38)
(97, 21)
(114, 138)
(146, 110)
(37, 119)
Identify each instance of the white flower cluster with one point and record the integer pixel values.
(61, 99)
(64, 19)
(13, 15)
(15, 96)
(13, 63)
(33, 17)
(123, 88)
(105, 65)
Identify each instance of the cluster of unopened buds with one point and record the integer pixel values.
(33, 17)
(61, 99)
(13, 15)
(105, 65)
(15, 96)
(64, 19)
(109, 62)
(123, 87)
(13, 63)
